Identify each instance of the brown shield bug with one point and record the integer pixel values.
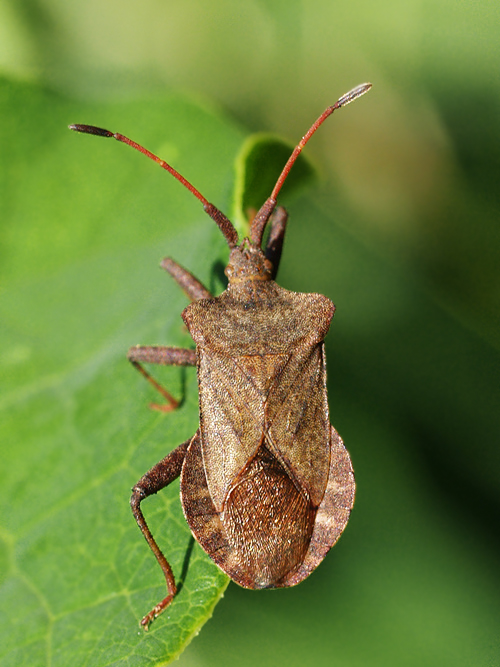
(267, 485)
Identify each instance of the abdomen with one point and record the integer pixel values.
(268, 521)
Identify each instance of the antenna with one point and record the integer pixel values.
(262, 217)
(225, 225)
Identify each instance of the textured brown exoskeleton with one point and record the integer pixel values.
(266, 483)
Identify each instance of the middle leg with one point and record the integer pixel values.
(165, 356)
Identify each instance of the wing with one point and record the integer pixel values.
(277, 398)
(232, 411)
(297, 420)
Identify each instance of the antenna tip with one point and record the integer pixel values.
(91, 129)
(353, 94)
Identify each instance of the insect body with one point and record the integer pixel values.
(266, 483)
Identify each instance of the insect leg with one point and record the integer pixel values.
(166, 356)
(274, 243)
(160, 475)
(189, 284)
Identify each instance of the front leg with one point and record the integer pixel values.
(191, 286)
(169, 356)
(160, 475)
(274, 244)
(165, 356)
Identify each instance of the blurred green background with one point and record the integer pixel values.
(401, 232)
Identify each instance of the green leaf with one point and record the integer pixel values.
(413, 389)
(84, 227)
(87, 223)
